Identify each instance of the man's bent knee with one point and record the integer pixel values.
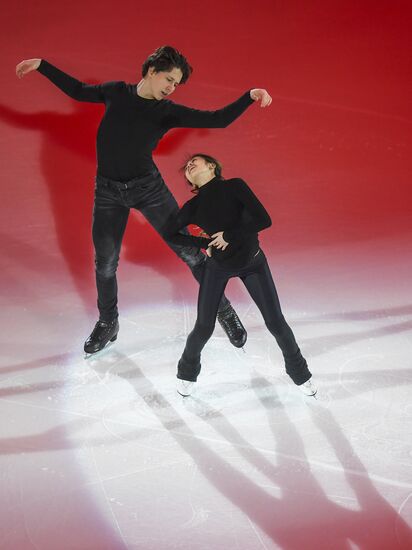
(105, 269)
(193, 257)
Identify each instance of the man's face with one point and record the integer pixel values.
(164, 83)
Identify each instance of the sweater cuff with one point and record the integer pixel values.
(231, 235)
(205, 242)
(249, 97)
(43, 66)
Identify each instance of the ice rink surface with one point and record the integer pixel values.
(103, 454)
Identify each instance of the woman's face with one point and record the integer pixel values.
(196, 166)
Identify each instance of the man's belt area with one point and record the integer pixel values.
(129, 184)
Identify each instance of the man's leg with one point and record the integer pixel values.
(109, 223)
(260, 285)
(157, 204)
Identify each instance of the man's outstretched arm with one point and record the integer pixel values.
(71, 86)
(181, 116)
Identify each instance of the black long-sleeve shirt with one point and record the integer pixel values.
(132, 125)
(222, 205)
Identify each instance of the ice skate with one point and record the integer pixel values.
(308, 388)
(232, 325)
(102, 334)
(185, 387)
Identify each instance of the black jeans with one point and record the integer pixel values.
(112, 204)
(257, 278)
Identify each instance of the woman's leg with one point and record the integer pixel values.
(259, 283)
(157, 204)
(211, 290)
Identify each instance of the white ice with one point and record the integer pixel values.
(103, 454)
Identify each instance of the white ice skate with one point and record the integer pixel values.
(308, 388)
(185, 387)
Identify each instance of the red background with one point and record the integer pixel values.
(330, 158)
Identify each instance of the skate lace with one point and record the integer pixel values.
(99, 326)
(231, 320)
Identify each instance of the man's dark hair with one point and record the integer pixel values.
(207, 158)
(167, 58)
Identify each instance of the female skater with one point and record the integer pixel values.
(230, 212)
(136, 117)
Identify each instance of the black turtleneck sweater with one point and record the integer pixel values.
(222, 205)
(132, 125)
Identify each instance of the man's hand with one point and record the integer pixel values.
(27, 66)
(257, 94)
(218, 241)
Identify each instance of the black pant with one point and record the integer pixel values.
(258, 280)
(112, 204)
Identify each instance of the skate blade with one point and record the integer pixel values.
(314, 395)
(100, 352)
(310, 398)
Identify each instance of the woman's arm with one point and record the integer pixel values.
(259, 218)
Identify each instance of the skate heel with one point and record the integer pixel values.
(114, 338)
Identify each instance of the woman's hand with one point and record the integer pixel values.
(258, 94)
(218, 241)
(27, 66)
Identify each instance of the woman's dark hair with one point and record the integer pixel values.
(207, 158)
(167, 58)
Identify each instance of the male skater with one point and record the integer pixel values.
(136, 118)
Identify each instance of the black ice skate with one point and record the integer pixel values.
(101, 335)
(233, 327)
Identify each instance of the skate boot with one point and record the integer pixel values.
(233, 327)
(102, 333)
(185, 387)
(308, 388)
